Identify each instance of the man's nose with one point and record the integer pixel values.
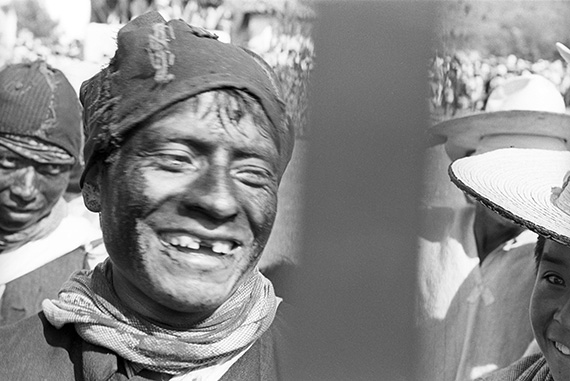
(562, 314)
(24, 186)
(213, 193)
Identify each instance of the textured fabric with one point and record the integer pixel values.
(88, 300)
(36, 231)
(531, 368)
(36, 150)
(37, 100)
(61, 354)
(70, 233)
(159, 63)
(23, 296)
(486, 325)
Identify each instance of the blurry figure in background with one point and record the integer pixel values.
(476, 289)
(40, 141)
(187, 140)
(8, 30)
(531, 188)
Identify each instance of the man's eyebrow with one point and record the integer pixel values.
(554, 260)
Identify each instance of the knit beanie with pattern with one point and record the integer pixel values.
(38, 101)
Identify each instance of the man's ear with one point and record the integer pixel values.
(91, 189)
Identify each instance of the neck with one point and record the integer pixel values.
(138, 301)
(491, 233)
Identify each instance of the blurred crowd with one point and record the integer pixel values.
(463, 81)
(76, 36)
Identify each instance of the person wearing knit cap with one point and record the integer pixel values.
(41, 243)
(187, 140)
(476, 320)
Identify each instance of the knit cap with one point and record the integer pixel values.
(159, 63)
(38, 101)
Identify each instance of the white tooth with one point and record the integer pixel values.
(221, 247)
(175, 241)
(189, 242)
(563, 348)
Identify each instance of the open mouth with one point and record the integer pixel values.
(562, 348)
(190, 243)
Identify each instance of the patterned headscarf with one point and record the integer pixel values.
(159, 63)
(38, 102)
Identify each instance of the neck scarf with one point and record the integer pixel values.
(45, 226)
(89, 301)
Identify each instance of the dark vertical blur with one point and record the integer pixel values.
(367, 121)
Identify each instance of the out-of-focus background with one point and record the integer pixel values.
(478, 44)
(78, 37)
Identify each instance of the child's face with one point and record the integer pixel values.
(550, 308)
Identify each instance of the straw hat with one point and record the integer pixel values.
(524, 112)
(528, 186)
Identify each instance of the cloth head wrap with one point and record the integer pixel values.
(38, 101)
(159, 63)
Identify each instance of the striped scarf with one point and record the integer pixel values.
(89, 301)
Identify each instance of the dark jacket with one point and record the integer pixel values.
(33, 350)
(23, 296)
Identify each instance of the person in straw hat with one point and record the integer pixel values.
(42, 240)
(469, 336)
(187, 140)
(531, 188)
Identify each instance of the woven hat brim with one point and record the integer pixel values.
(466, 132)
(517, 184)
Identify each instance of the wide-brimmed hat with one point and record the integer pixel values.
(530, 106)
(527, 186)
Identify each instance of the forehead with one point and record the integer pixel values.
(213, 117)
(555, 253)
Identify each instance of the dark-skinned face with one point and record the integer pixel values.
(28, 190)
(187, 207)
(550, 308)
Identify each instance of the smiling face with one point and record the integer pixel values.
(550, 308)
(187, 205)
(28, 190)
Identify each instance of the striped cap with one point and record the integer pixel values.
(38, 101)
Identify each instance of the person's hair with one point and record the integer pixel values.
(539, 250)
(233, 103)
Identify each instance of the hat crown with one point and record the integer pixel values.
(531, 93)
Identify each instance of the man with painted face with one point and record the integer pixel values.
(41, 243)
(186, 142)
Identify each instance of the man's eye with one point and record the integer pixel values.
(256, 177)
(174, 161)
(52, 169)
(555, 280)
(8, 162)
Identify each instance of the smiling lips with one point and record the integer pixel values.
(562, 348)
(185, 242)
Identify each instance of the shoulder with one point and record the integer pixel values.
(269, 357)
(53, 350)
(524, 369)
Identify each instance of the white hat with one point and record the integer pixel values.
(528, 186)
(524, 112)
(564, 51)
